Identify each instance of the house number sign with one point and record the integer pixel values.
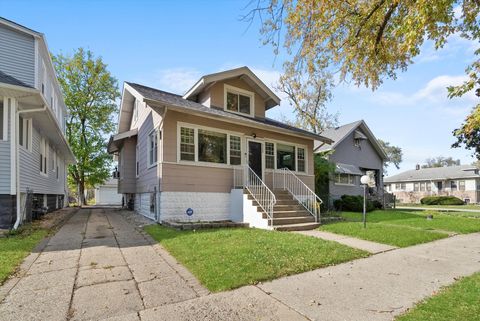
(189, 211)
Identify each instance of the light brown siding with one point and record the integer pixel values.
(126, 183)
(184, 177)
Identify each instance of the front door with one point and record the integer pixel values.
(255, 157)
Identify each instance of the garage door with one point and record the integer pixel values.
(108, 196)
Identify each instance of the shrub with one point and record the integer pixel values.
(353, 203)
(441, 200)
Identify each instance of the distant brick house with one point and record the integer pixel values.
(460, 181)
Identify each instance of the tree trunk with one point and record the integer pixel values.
(81, 194)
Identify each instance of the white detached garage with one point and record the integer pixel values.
(107, 194)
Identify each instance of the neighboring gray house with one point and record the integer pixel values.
(355, 152)
(33, 148)
(459, 181)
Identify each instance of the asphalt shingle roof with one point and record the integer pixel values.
(337, 134)
(437, 173)
(7, 79)
(179, 101)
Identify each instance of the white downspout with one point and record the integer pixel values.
(19, 219)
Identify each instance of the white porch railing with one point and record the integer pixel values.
(260, 192)
(286, 180)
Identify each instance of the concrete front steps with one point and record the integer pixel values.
(288, 214)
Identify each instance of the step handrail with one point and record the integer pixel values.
(301, 193)
(260, 192)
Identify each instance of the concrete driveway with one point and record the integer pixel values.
(100, 267)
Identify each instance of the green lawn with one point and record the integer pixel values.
(14, 248)
(460, 301)
(417, 219)
(224, 259)
(402, 228)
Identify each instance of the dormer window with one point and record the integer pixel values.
(239, 100)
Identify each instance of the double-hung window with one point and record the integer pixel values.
(416, 187)
(25, 132)
(3, 119)
(422, 186)
(269, 155)
(300, 159)
(238, 100)
(187, 144)
(43, 156)
(235, 150)
(152, 148)
(429, 186)
(461, 185)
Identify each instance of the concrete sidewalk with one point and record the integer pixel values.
(441, 209)
(371, 247)
(100, 267)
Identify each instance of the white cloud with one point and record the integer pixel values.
(176, 80)
(434, 94)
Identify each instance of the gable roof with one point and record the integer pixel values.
(158, 97)
(271, 100)
(338, 134)
(436, 173)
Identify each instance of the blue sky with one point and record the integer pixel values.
(170, 44)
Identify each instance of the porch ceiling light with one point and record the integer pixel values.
(254, 135)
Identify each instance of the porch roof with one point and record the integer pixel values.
(348, 169)
(116, 140)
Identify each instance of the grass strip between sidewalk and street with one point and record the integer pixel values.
(459, 301)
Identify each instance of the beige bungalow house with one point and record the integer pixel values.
(213, 155)
(460, 181)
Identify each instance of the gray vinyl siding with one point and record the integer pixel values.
(148, 177)
(30, 176)
(365, 157)
(17, 55)
(5, 159)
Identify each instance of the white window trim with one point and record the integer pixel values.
(52, 99)
(45, 158)
(243, 145)
(275, 142)
(236, 90)
(195, 136)
(5, 119)
(155, 130)
(27, 139)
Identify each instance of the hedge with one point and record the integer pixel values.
(441, 200)
(354, 203)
